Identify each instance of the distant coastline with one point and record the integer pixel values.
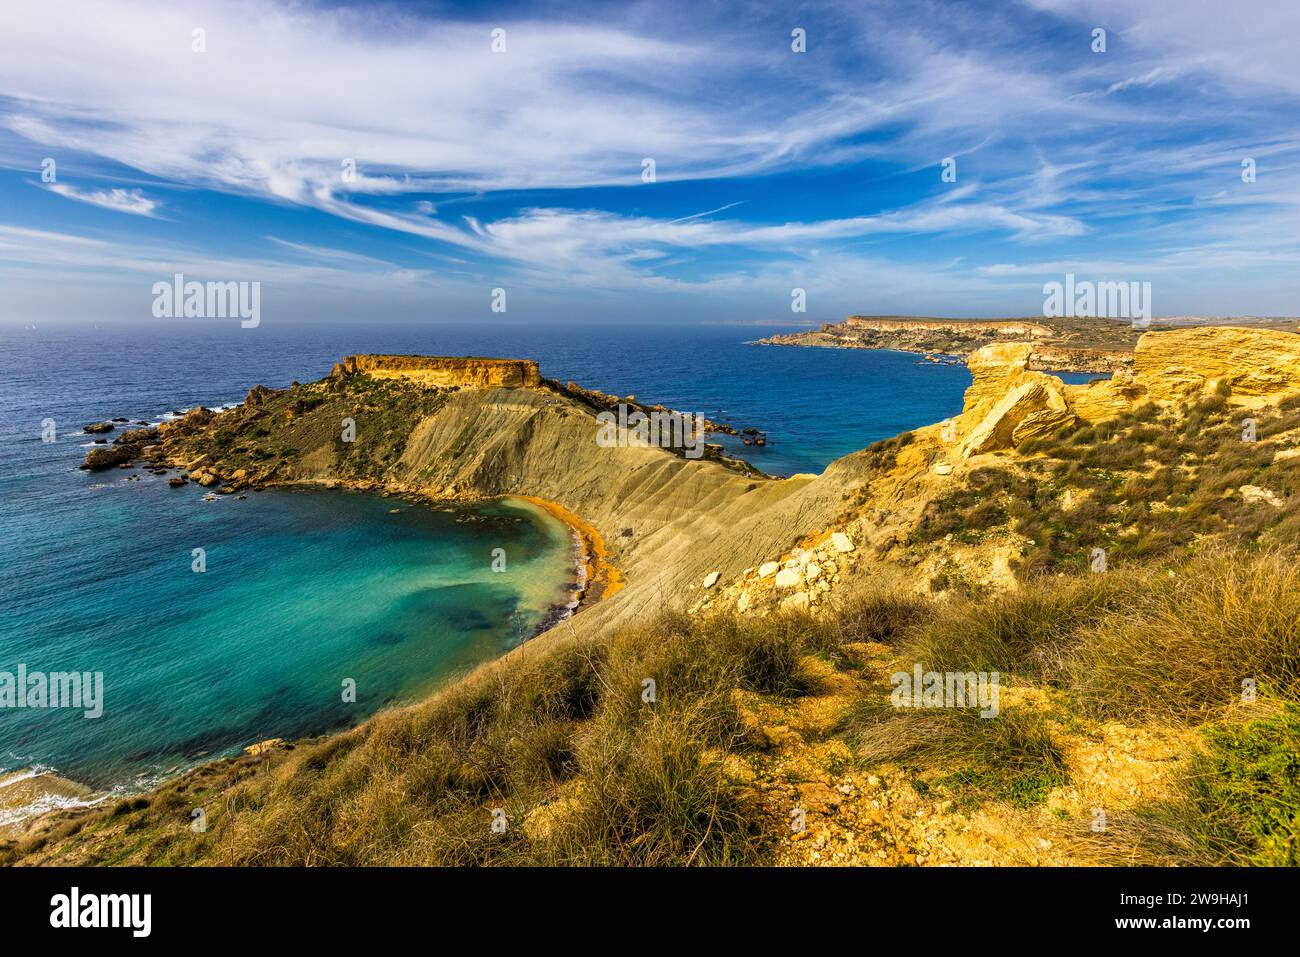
(1086, 346)
(1081, 345)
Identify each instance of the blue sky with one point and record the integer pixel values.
(523, 169)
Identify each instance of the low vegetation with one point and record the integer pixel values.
(1148, 485)
(269, 436)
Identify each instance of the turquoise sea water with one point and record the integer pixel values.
(301, 590)
(304, 589)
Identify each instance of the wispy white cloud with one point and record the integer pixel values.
(289, 99)
(425, 106)
(1251, 41)
(1152, 77)
(121, 200)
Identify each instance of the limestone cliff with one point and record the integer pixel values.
(997, 328)
(1255, 364)
(466, 372)
(1008, 404)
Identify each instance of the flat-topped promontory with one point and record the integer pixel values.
(467, 372)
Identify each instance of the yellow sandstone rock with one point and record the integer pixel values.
(1183, 363)
(1033, 407)
(270, 744)
(1104, 398)
(1007, 404)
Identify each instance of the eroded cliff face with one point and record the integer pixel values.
(985, 329)
(1257, 365)
(470, 372)
(1007, 404)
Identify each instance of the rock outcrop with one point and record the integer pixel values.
(1255, 364)
(107, 456)
(259, 394)
(128, 447)
(1008, 404)
(1031, 409)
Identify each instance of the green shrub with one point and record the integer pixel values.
(1251, 777)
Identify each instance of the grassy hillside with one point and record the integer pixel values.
(1143, 485)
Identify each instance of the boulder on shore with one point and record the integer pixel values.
(108, 456)
(261, 747)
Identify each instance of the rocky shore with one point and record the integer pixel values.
(26, 794)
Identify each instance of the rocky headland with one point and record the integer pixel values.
(771, 610)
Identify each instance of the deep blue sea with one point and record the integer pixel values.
(304, 590)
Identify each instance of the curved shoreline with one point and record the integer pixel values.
(600, 579)
(44, 791)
